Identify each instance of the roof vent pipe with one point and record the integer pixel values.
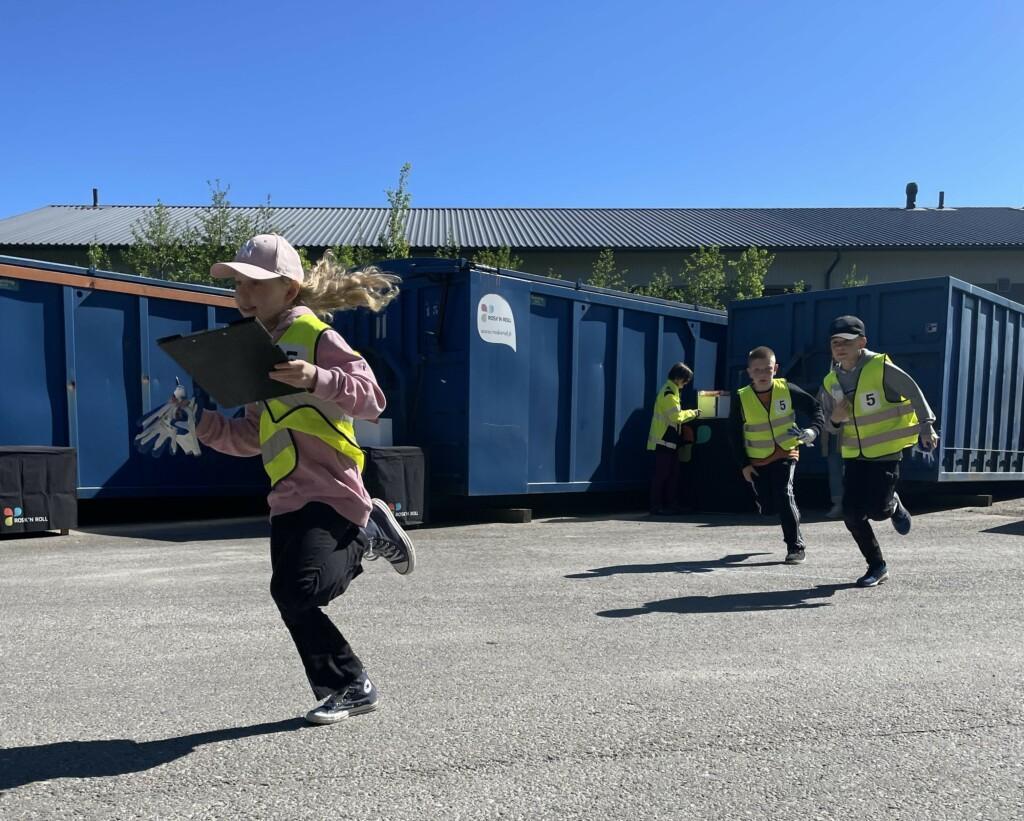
(911, 195)
(95, 198)
(942, 199)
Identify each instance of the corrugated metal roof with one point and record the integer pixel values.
(567, 228)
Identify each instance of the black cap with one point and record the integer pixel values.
(848, 327)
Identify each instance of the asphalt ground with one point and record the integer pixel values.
(598, 667)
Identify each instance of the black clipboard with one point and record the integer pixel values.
(230, 363)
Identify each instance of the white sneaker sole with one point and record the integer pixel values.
(381, 505)
(334, 718)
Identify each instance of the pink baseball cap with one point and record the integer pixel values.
(263, 257)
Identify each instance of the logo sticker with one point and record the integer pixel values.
(495, 322)
(14, 516)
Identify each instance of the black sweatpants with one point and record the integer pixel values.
(773, 491)
(869, 490)
(314, 553)
(665, 482)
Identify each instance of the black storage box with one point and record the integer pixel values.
(396, 476)
(711, 481)
(38, 489)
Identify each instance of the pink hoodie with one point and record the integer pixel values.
(322, 473)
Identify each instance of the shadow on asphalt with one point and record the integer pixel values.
(1012, 529)
(699, 518)
(735, 602)
(201, 531)
(701, 566)
(116, 756)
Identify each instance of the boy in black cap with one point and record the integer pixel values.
(878, 410)
(766, 439)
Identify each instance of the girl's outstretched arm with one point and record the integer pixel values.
(235, 437)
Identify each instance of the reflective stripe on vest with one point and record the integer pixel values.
(877, 427)
(303, 412)
(763, 428)
(666, 415)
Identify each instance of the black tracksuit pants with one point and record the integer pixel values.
(314, 553)
(665, 482)
(773, 491)
(869, 490)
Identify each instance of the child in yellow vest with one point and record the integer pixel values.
(323, 523)
(766, 438)
(665, 438)
(877, 410)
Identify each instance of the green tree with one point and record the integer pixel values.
(392, 240)
(157, 248)
(221, 230)
(605, 274)
(702, 277)
(749, 273)
(450, 249)
(172, 249)
(98, 257)
(304, 259)
(851, 280)
(797, 287)
(661, 286)
(501, 258)
(355, 256)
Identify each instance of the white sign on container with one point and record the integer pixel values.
(495, 322)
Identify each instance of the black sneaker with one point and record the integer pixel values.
(873, 577)
(393, 543)
(795, 556)
(358, 698)
(901, 518)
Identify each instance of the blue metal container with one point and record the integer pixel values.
(81, 366)
(962, 344)
(515, 384)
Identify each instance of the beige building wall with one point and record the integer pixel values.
(979, 267)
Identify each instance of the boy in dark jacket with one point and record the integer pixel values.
(766, 438)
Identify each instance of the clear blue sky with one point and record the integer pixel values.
(689, 104)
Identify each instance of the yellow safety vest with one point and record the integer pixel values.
(763, 428)
(667, 414)
(877, 427)
(303, 412)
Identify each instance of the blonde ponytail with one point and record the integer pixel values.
(329, 288)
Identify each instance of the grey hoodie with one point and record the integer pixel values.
(895, 381)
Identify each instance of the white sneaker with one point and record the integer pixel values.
(358, 698)
(394, 543)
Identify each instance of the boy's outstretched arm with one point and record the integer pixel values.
(896, 382)
(810, 409)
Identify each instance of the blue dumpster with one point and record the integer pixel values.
(81, 366)
(512, 383)
(517, 384)
(962, 344)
